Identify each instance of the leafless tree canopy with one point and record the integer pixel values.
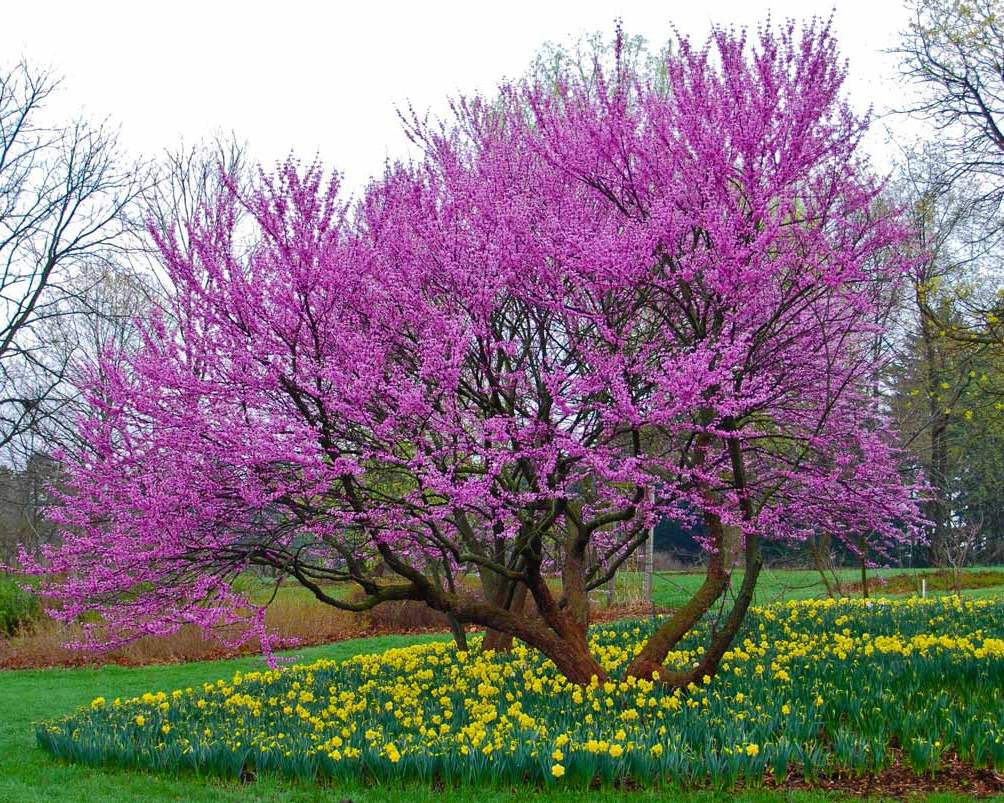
(955, 52)
(88, 268)
(62, 191)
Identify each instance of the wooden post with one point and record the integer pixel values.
(863, 546)
(649, 565)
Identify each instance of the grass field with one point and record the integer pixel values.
(29, 775)
(671, 589)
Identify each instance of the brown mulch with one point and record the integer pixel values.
(900, 781)
(896, 782)
(634, 610)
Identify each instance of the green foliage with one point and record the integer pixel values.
(17, 606)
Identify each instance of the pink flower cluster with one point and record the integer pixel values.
(556, 321)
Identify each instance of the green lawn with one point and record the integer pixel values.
(671, 589)
(28, 775)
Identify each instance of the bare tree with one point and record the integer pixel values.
(184, 182)
(953, 51)
(957, 549)
(94, 310)
(63, 189)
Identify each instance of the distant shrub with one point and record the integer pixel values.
(17, 607)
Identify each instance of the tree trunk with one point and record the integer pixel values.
(721, 639)
(936, 508)
(575, 596)
(557, 634)
(565, 643)
(459, 634)
(499, 591)
(649, 567)
(649, 662)
(716, 580)
(496, 639)
(570, 623)
(574, 660)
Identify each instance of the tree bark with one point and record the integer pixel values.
(560, 639)
(498, 640)
(575, 597)
(649, 567)
(569, 623)
(459, 634)
(863, 547)
(721, 639)
(935, 510)
(649, 662)
(716, 580)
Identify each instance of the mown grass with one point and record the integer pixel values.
(671, 589)
(28, 775)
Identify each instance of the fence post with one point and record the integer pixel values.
(649, 565)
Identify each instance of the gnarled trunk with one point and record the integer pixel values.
(649, 662)
(574, 660)
(726, 541)
(721, 638)
(556, 634)
(498, 640)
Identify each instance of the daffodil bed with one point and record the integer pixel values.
(817, 687)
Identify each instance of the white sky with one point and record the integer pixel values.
(326, 77)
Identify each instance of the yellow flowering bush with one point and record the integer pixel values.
(820, 686)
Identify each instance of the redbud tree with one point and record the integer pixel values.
(590, 304)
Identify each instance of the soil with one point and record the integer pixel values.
(900, 781)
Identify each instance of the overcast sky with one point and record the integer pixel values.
(327, 77)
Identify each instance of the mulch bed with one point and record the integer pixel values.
(899, 781)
